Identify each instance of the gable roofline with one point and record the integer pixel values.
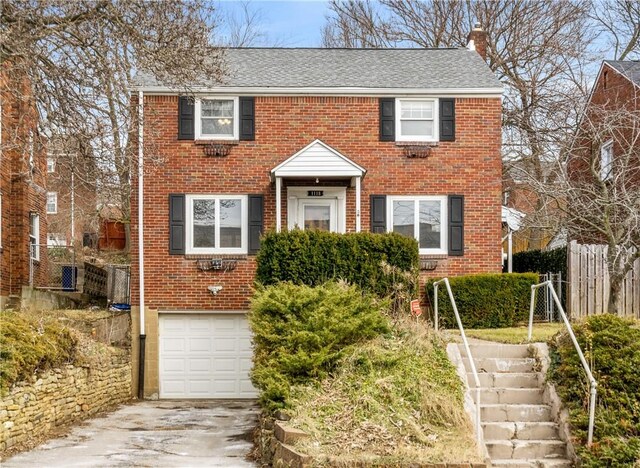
(622, 73)
(317, 141)
(321, 91)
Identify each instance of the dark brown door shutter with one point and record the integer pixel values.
(247, 118)
(387, 119)
(378, 214)
(185, 118)
(256, 222)
(177, 224)
(447, 119)
(456, 225)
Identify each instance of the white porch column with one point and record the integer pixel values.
(510, 250)
(358, 221)
(278, 204)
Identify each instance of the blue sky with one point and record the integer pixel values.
(286, 23)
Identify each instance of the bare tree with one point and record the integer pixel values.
(620, 24)
(79, 57)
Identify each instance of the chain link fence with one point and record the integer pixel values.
(53, 267)
(118, 285)
(545, 309)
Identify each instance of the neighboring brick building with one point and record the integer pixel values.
(72, 213)
(22, 188)
(337, 139)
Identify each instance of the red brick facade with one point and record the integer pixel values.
(470, 166)
(22, 185)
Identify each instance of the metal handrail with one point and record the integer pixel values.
(464, 341)
(587, 369)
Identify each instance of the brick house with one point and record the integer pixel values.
(72, 213)
(345, 140)
(23, 227)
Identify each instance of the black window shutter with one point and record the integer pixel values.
(247, 118)
(378, 214)
(456, 225)
(387, 119)
(256, 222)
(177, 224)
(447, 119)
(186, 118)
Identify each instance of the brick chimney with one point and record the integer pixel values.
(477, 40)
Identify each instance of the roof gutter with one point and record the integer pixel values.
(143, 336)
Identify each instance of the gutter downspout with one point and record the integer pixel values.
(143, 337)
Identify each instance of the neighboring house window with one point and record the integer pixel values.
(416, 119)
(216, 224)
(34, 235)
(32, 151)
(51, 165)
(606, 160)
(217, 119)
(56, 240)
(52, 202)
(423, 218)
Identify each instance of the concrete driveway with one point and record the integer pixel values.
(185, 433)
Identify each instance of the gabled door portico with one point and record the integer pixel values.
(317, 207)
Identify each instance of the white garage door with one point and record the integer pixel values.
(205, 356)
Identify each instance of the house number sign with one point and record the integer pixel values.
(315, 193)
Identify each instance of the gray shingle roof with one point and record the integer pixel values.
(629, 68)
(353, 68)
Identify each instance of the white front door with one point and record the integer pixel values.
(317, 214)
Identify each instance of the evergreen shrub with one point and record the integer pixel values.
(314, 257)
(541, 261)
(300, 332)
(486, 300)
(612, 347)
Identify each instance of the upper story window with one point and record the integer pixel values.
(216, 118)
(416, 119)
(423, 218)
(216, 224)
(606, 160)
(34, 236)
(52, 202)
(51, 164)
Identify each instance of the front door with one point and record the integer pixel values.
(317, 214)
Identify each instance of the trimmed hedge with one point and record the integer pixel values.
(300, 332)
(541, 261)
(612, 348)
(486, 300)
(315, 257)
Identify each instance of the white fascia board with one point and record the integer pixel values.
(338, 91)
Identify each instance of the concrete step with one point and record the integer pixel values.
(501, 364)
(498, 350)
(526, 449)
(520, 430)
(532, 396)
(502, 380)
(515, 413)
(532, 463)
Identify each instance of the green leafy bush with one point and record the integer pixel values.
(314, 257)
(612, 349)
(485, 301)
(300, 332)
(28, 346)
(541, 261)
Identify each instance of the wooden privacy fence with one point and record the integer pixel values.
(588, 283)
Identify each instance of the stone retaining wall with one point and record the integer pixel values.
(61, 396)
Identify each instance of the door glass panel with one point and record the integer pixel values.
(204, 223)
(430, 224)
(404, 217)
(317, 217)
(230, 223)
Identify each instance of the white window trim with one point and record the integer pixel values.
(218, 250)
(51, 164)
(606, 170)
(34, 254)
(436, 116)
(418, 198)
(198, 118)
(54, 195)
